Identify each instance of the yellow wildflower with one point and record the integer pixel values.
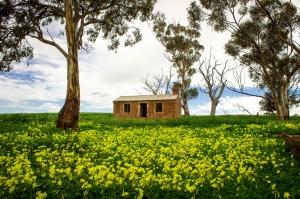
(286, 195)
(40, 195)
(59, 183)
(124, 194)
(222, 173)
(190, 188)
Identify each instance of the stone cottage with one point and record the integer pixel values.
(148, 106)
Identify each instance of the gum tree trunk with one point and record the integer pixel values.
(68, 116)
(185, 105)
(281, 103)
(186, 108)
(213, 107)
(215, 95)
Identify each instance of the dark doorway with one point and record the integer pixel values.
(143, 109)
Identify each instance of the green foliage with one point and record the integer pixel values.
(182, 50)
(255, 43)
(267, 104)
(180, 42)
(262, 39)
(197, 157)
(25, 18)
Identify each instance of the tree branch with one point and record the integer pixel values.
(52, 43)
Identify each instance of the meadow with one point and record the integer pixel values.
(197, 157)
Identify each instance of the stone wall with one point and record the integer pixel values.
(170, 109)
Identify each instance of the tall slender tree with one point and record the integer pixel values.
(182, 50)
(23, 19)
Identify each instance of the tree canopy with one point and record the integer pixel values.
(23, 19)
(227, 15)
(20, 19)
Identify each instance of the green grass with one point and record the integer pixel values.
(15, 122)
(197, 157)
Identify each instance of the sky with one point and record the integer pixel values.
(105, 75)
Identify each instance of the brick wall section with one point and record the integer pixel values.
(171, 109)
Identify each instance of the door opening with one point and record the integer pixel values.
(143, 109)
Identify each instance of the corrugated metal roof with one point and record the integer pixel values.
(145, 98)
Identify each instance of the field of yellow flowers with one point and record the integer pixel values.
(106, 159)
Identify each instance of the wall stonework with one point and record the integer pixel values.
(171, 109)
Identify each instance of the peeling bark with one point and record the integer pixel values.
(281, 103)
(213, 107)
(215, 95)
(185, 105)
(186, 109)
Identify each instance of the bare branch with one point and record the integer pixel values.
(214, 83)
(240, 80)
(157, 84)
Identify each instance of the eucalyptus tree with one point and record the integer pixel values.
(262, 38)
(23, 19)
(182, 49)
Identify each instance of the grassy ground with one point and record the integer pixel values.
(197, 157)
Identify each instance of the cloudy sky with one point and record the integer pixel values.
(106, 75)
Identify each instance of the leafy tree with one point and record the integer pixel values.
(188, 94)
(23, 19)
(257, 41)
(182, 50)
(225, 15)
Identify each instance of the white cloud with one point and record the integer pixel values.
(49, 107)
(231, 105)
(228, 105)
(295, 111)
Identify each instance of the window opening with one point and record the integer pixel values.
(126, 108)
(158, 107)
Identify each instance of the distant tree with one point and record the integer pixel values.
(23, 19)
(242, 108)
(157, 84)
(214, 81)
(262, 39)
(182, 50)
(267, 103)
(189, 94)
